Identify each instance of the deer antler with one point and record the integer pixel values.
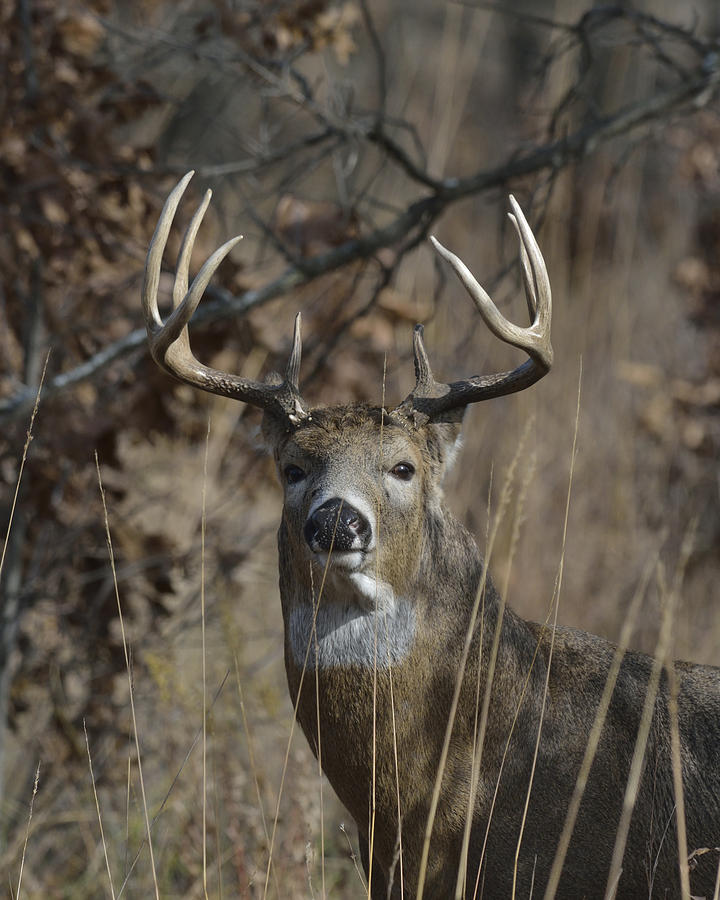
(430, 398)
(170, 341)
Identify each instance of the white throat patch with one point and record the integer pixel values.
(352, 635)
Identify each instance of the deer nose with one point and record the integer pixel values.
(339, 525)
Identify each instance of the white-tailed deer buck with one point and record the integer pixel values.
(378, 583)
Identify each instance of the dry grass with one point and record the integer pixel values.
(230, 801)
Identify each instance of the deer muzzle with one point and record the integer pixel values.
(336, 525)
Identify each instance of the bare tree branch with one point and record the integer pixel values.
(695, 92)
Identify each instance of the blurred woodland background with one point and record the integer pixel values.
(336, 137)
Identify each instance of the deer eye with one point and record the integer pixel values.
(403, 470)
(293, 474)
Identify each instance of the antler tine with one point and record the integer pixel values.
(182, 267)
(491, 315)
(535, 275)
(292, 370)
(528, 279)
(423, 372)
(182, 314)
(425, 386)
(170, 342)
(430, 399)
(153, 263)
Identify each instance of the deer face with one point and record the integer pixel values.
(358, 484)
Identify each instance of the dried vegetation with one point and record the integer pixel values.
(335, 136)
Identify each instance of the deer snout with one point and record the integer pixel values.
(339, 525)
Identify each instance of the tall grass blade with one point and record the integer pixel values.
(556, 606)
(27, 831)
(597, 726)
(502, 508)
(111, 553)
(97, 809)
(636, 765)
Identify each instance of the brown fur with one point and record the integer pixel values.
(427, 558)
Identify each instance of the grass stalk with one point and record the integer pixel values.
(319, 762)
(555, 607)
(97, 809)
(27, 831)
(253, 764)
(470, 632)
(373, 785)
(295, 709)
(111, 553)
(173, 783)
(23, 460)
(672, 602)
(492, 661)
(636, 766)
(597, 726)
(203, 523)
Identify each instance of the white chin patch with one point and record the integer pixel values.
(373, 593)
(350, 560)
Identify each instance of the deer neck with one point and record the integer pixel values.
(375, 682)
(335, 618)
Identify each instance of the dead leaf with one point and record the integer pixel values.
(26, 243)
(81, 34)
(53, 211)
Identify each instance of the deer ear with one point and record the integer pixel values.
(444, 440)
(274, 430)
